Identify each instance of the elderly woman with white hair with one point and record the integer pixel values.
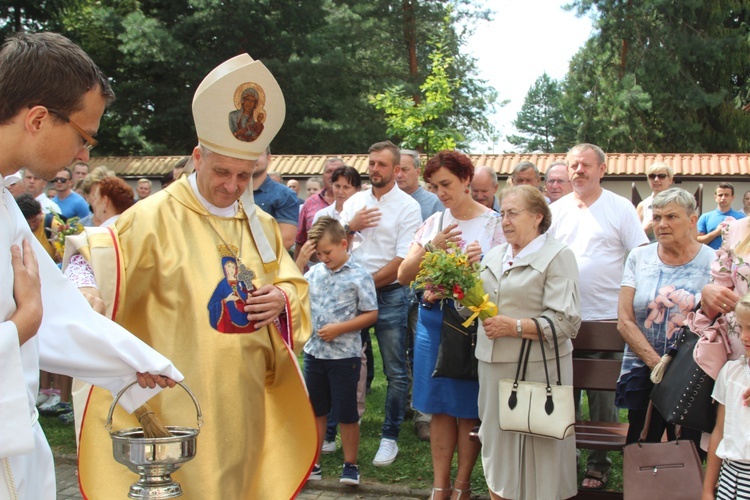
(660, 177)
(660, 286)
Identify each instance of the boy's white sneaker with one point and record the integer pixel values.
(387, 453)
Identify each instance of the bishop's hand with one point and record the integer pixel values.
(265, 305)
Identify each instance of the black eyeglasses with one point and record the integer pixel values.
(660, 176)
(89, 142)
(60, 179)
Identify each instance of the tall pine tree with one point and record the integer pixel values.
(540, 122)
(662, 76)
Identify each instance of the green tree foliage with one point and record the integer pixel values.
(541, 123)
(32, 15)
(413, 120)
(327, 55)
(660, 75)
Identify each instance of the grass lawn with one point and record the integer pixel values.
(412, 468)
(61, 437)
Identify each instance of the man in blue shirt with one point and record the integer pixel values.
(71, 203)
(408, 182)
(275, 199)
(709, 232)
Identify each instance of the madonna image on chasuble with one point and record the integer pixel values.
(246, 122)
(226, 307)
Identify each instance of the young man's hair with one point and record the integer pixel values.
(68, 170)
(46, 69)
(326, 226)
(725, 185)
(387, 146)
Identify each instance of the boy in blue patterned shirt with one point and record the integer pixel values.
(343, 301)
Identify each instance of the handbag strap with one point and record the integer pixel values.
(526, 359)
(557, 348)
(647, 423)
(521, 362)
(544, 356)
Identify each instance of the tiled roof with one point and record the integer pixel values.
(136, 166)
(618, 164)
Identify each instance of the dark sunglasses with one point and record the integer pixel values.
(60, 179)
(660, 176)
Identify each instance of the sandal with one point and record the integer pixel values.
(439, 491)
(595, 475)
(466, 489)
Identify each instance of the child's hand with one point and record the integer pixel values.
(307, 250)
(328, 332)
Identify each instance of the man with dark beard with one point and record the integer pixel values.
(381, 222)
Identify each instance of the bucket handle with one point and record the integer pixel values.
(108, 424)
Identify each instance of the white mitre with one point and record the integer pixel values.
(238, 109)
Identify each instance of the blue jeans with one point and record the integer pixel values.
(390, 330)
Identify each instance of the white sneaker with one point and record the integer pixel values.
(386, 454)
(328, 447)
(50, 402)
(41, 398)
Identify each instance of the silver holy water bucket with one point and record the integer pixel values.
(154, 459)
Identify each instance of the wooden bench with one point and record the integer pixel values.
(601, 375)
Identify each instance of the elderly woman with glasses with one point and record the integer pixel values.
(660, 177)
(659, 288)
(530, 277)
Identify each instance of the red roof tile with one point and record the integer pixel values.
(618, 164)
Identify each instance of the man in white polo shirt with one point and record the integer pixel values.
(601, 228)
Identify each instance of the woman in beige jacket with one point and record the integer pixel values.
(531, 276)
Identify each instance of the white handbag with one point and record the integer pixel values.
(536, 408)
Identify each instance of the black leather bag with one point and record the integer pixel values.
(456, 357)
(683, 397)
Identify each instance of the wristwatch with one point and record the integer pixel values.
(348, 231)
(519, 328)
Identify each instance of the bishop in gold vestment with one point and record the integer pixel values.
(259, 438)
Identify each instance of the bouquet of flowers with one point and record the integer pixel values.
(59, 230)
(449, 273)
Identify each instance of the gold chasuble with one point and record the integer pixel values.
(178, 291)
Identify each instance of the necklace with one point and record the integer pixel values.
(244, 274)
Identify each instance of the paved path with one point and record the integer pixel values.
(67, 488)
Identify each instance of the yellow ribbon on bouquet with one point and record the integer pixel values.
(486, 305)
